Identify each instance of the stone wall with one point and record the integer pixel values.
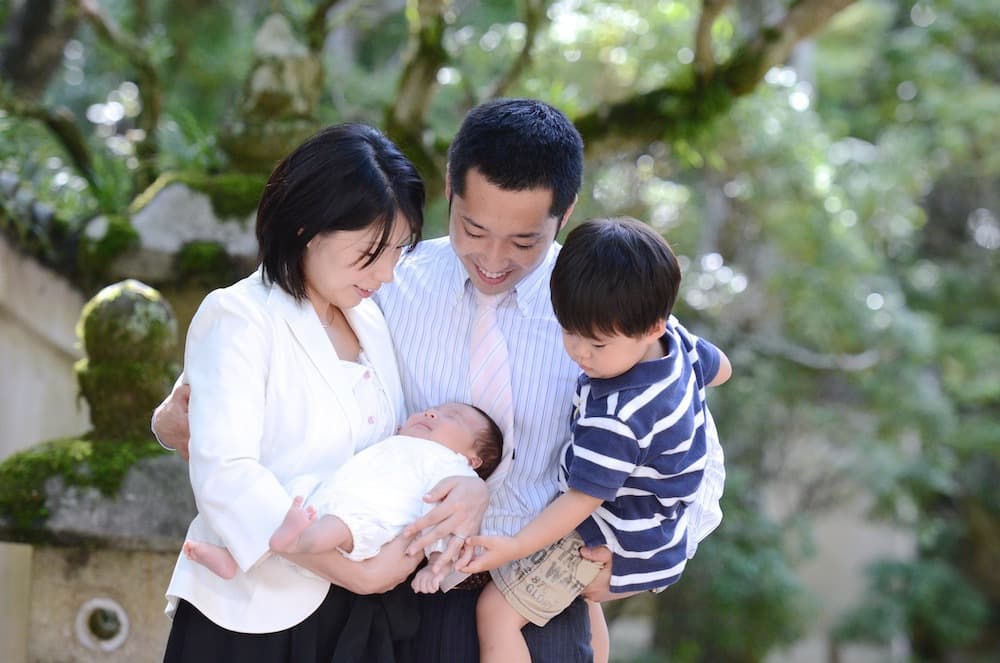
(38, 401)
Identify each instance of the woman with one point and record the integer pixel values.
(292, 371)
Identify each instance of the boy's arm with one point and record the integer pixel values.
(725, 370)
(556, 521)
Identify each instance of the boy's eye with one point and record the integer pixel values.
(598, 346)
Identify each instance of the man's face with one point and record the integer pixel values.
(500, 236)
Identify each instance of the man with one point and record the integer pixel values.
(514, 173)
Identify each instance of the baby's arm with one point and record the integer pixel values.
(556, 521)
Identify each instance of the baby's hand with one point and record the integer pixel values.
(426, 581)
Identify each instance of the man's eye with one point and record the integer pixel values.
(524, 247)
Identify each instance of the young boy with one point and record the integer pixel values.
(376, 493)
(638, 449)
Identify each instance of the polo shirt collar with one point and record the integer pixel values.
(640, 376)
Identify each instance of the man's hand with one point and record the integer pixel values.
(497, 551)
(373, 576)
(599, 589)
(462, 505)
(170, 420)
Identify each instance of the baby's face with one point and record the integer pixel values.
(453, 425)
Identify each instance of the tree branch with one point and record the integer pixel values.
(147, 80)
(704, 56)
(778, 346)
(534, 16)
(405, 119)
(673, 111)
(316, 25)
(62, 124)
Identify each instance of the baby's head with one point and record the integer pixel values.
(613, 287)
(465, 429)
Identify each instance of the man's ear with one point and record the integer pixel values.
(447, 184)
(565, 217)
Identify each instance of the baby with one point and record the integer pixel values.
(374, 495)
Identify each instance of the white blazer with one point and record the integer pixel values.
(268, 402)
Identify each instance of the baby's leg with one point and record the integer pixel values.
(499, 626)
(216, 558)
(302, 532)
(599, 638)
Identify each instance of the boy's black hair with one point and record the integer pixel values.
(488, 446)
(346, 177)
(614, 276)
(518, 145)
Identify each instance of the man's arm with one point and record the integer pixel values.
(556, 521)
(170, 420)
(462, 504)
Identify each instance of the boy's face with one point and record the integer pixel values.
(452, 425)
(608, 356)
(500, 236)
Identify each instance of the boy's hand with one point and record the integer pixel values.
(497, 551)
(463, 502)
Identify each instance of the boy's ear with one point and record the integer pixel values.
(657, 330)
(475, 462)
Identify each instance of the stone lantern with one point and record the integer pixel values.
(105, 513)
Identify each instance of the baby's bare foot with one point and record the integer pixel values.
(296, 521)
(216, 558)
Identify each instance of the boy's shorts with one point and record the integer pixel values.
(542, 585)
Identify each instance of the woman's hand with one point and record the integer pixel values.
(372, 576)
(460, 513)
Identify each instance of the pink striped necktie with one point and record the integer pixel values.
(489, 369)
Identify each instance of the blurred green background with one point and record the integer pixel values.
(828, 171)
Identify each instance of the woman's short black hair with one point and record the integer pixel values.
(346, 177)
(488, 445)
(518, 145)
(614, 276)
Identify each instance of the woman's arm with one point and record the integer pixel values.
(372, 576)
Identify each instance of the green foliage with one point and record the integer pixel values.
(926, 599)
(739, 597)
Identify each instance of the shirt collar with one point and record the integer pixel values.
(640, 376)
(532, 293)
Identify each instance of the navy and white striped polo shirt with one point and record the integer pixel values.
(639, 444)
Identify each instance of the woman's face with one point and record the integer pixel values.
(335, 269)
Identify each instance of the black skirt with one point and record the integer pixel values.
(345, 628)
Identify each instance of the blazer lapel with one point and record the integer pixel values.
(308, 332)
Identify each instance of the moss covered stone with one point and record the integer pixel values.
(84, 462)
(104, 239)
(129, 334)
(233, 195)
